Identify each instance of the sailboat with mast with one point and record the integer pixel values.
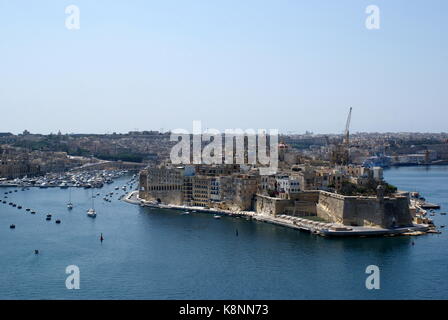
(70, 204)
(91, 212)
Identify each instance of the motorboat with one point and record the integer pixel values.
(91, 213)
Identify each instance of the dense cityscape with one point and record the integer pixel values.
(29, 154)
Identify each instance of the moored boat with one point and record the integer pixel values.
(91, 213)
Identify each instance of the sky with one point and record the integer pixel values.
(290, 65)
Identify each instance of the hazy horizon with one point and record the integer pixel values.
(189, 129)
(289, 65)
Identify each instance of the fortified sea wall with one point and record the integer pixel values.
(163, 196)
(300, 204)
(166, 194)
(384, 212)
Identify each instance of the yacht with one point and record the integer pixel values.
(91, 213)
(70, 204)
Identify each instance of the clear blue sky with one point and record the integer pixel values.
(292, 65)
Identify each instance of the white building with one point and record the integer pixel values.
(287, 184)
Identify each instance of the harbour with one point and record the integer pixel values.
(74, 179)
(161, 253)
(223, 151)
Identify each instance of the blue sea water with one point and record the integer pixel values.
(161, 254)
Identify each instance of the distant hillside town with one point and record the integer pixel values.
(33, 154)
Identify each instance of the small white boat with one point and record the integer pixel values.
(69, 203)
(185, 212)
(91, 213)
(216, 216)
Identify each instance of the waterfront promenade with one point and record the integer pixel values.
(303, 224)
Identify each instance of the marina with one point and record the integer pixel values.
(71, 179)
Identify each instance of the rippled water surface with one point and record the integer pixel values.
(161, 254)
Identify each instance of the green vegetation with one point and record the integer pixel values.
(315, 218)
(370, 189)
(61, 143)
